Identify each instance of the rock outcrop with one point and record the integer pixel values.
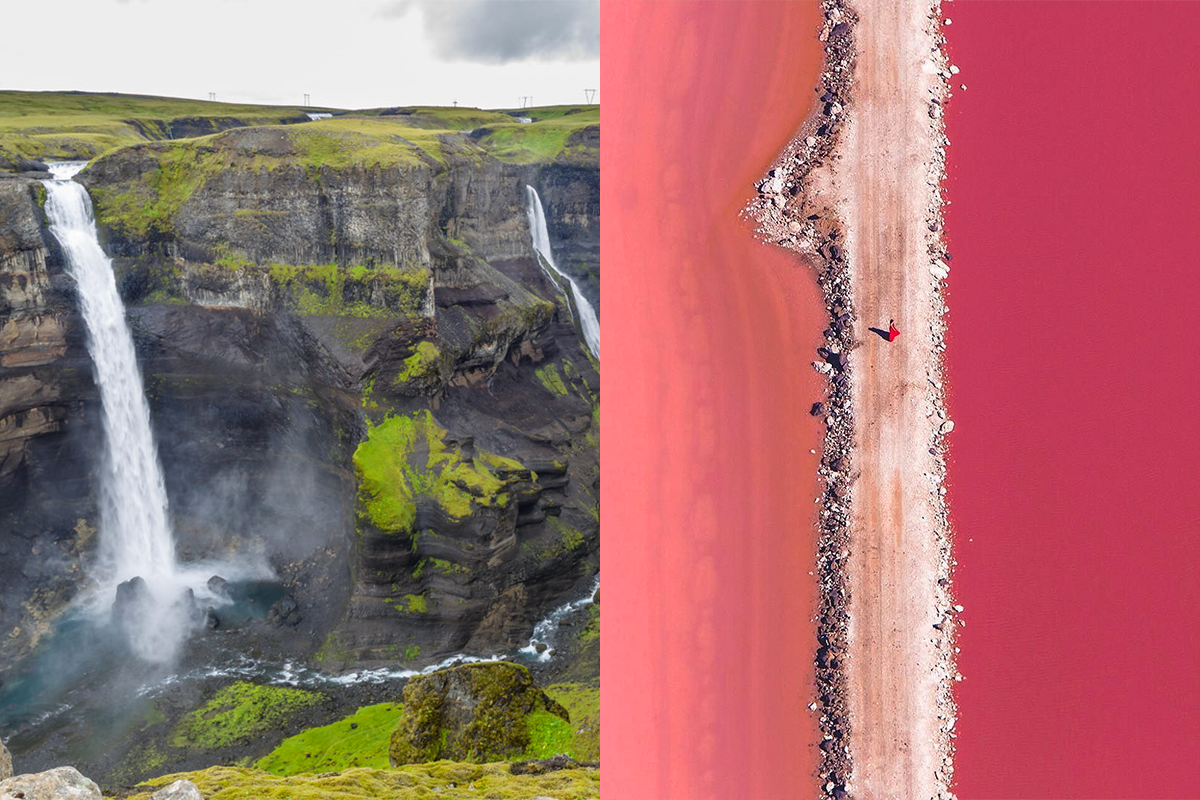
(49, 422)
(6, 768)
(474, 712)
(179, 790)
(62, 783)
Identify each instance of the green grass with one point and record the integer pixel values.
(539, 113)
(446, 780)
(404, 458)
(445, 118)
(239, 713)
(545, 140)
(65, 125)
(338, 746)
(582, 741)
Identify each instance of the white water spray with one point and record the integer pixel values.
(135, 533)
(541, 244)
(546, 631)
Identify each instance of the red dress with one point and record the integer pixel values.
(893, 332)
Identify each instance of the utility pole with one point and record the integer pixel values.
(306, 103)
(455, 104)
(590, 94)
(212, 95)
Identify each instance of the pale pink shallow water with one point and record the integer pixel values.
(1074, 352)
(708, 482)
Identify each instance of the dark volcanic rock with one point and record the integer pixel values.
(542, 766)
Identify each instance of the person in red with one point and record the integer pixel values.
(893, 331)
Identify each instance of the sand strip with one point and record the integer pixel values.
(858, 193)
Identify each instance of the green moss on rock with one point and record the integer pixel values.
(424, 365)
(444, 780)
(406, 457)
(551, 381)
(330, 290)
(240, 712)
(474, 712)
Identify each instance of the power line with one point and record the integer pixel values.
(590, 94)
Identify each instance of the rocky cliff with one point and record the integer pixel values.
(357, 372)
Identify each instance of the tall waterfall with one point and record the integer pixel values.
(135, 533)
(541, 243)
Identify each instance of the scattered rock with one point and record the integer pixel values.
(817, 409)
(61, 783)
(179, 790)
(947, 426)
(541, 767)
(218, 585)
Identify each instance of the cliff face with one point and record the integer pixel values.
(45, 388)
(295, 322)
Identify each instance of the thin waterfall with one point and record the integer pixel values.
(541, 244)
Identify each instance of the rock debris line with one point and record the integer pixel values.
(793, 210)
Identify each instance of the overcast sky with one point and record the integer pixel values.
(343, 53)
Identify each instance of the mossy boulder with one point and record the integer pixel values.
(474, 712)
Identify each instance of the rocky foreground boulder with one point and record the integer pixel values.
(63, 783)
(179, 790)
(474, 712)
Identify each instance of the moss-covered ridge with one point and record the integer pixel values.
(239, 713)
(73, 125)
(408, 457)
(443, 779)
(476, 712)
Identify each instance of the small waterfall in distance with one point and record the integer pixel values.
(541, 244)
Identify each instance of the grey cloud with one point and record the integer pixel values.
(500, 31)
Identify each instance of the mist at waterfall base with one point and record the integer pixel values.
(589, 324)
(154, 601)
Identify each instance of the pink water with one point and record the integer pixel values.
(1074, 353)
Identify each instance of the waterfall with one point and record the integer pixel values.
(541, 243)
(135, 532)
(545, 631)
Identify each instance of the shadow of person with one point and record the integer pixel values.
(882, 333)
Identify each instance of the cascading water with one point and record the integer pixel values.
(541, 244)
(135, 532)
(545, 632)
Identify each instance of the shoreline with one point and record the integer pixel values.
(806, 204)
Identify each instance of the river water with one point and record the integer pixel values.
(709, 468)
(1073, 359)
